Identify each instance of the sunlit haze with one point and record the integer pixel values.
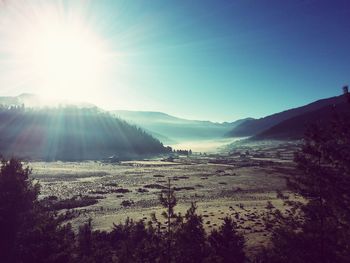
(65, 59)
(209, 60)
(51, 52)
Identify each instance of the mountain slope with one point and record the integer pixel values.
(71, 134)
(169, 128)
(294, 128)
(253, 127)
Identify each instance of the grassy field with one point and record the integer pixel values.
(220, 185)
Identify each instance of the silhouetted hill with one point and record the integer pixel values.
(294, 128)
(170, 129)
(71, 133)
(254, 127)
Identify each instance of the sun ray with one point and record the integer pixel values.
(53, 48)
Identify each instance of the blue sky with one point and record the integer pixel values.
(219, 60)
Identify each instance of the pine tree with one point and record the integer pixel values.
(18, 197)
(227, 244)
(190, 238)
(317, 228)
(168, 201)
(28, 233)
(85, 239)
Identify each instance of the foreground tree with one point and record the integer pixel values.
(227, 244)
(137, 242)
(168, 200)
(190, 238)
(18, 199)
(317, 229)
(28, 233)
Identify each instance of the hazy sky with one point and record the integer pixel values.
(205, 59)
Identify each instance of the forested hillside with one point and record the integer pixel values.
(71, 133)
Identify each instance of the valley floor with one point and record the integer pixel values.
(220, 185)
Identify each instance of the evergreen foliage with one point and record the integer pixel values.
(317, 228)
(27, 232)
(72, 133)
(227, 243)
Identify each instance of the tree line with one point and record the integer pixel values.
(72, 133)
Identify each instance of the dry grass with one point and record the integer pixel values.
(239, 191)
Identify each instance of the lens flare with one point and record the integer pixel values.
(52, 48)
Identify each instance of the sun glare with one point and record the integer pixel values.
(65, 60)
(57, 51)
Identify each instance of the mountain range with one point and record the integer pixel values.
(170, 129)
(166, 128)
(83, 131)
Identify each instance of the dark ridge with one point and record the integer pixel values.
(254, 127)
(294, 128)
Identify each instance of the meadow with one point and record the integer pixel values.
(220, 184)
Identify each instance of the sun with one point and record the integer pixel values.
(58, 52)
(67, 61)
